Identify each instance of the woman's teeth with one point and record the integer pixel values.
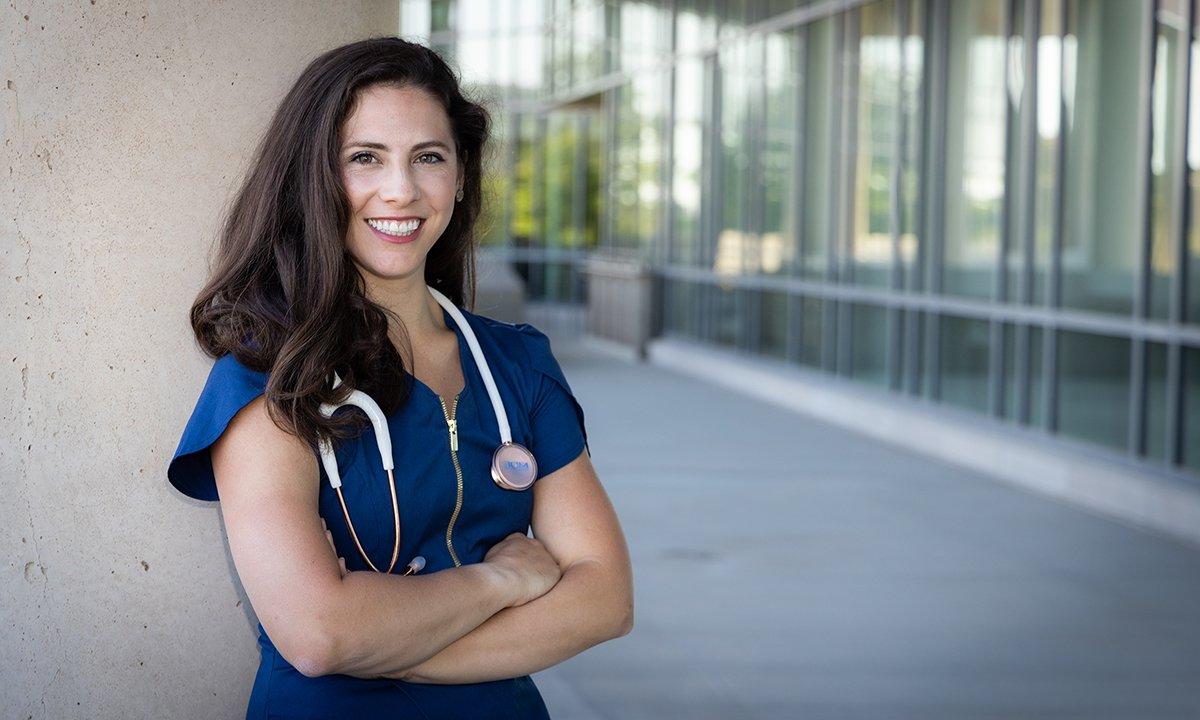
(395, 227)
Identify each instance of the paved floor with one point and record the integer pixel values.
(788, 569)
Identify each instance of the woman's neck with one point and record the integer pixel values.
(412, 303)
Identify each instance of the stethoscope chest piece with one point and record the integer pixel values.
(513, 466)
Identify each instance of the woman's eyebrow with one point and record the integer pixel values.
(380, 146)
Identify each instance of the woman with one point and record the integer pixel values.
(358, 211)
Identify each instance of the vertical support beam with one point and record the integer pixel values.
(795, 335)
(846, 55)
(829, 308)
(916, 281)
(1049, 397)
(1136, 441)
(939, 23)
(1179, 194)
(893, 363)
(1010, 224)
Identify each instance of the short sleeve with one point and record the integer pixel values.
(230, 387)
(555, 416)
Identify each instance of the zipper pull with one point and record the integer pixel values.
(453, 433)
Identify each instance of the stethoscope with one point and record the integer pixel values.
(513, 466)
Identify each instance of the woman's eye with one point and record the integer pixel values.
(432, 155)
(354, 158)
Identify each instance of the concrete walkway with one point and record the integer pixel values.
(788, 569)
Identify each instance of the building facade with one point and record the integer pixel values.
(986, 204)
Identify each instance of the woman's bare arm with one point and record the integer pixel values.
(592, 602)
(364, 624)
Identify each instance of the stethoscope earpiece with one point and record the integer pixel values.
(513, 465)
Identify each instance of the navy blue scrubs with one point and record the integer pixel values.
(544, 417)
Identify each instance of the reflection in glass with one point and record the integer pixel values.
(878, 86)
(524, 223)
(774, 323)
(1155, 424)
(695, 25)
(1166, 156)
(975, 146)
(558, 171)
(1046, 104)
(1093, 395)
(910, 171)
(1192, 312)
(812, 313)
(1105, 57)
(868, 352)
(690, 130)
(1191, 408)
(637, 175)
(734, 230)
(818, 148)
(1048, 128)
(777, 251)
(964, 362)
(644, 33)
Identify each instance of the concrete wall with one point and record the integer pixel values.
(126, 127)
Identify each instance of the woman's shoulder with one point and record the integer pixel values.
(231, 385)
(519, 341)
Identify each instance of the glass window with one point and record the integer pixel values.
(869, 339)
(1167, 157)
(975, 147)
(773, 326)
(415, 20)
(812, 314)
(1156, 401)
(913, 117)
(876, 97)
(964, 361)
(524, 224)
(644, 33)
(695, 25)
(734, 228)
(558, 171)
(1105, 56)
(1044, 101)
(687, 186)
(777, 251)
(637, 175)
(1093, 395)
(1191, 408)
(1193, 171)
(818, 156)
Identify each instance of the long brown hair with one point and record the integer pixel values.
(284, 296)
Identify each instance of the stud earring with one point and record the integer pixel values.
(459, 195)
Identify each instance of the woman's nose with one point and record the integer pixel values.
(399, 185)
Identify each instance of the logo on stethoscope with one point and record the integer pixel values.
(516, 466)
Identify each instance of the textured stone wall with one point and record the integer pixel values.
(125, 129)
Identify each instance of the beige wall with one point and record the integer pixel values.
(125, 126)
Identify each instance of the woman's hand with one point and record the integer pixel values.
(526, 565)
(341, 560)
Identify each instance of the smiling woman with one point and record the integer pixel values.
(339, 287)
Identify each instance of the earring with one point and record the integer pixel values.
(459, 196)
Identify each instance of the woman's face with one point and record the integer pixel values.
(398, 166)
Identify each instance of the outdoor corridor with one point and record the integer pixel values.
(784, 568)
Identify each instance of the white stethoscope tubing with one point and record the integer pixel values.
(480, 362)
(504, 458)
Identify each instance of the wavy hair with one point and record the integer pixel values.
(284, 296)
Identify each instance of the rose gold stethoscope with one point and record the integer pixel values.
(513, 466)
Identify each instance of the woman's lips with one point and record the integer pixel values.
(396, 240)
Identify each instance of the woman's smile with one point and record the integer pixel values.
(396, 231)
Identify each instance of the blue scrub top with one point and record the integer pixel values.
(544, 416)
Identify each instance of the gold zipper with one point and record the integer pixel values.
(452, 424)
